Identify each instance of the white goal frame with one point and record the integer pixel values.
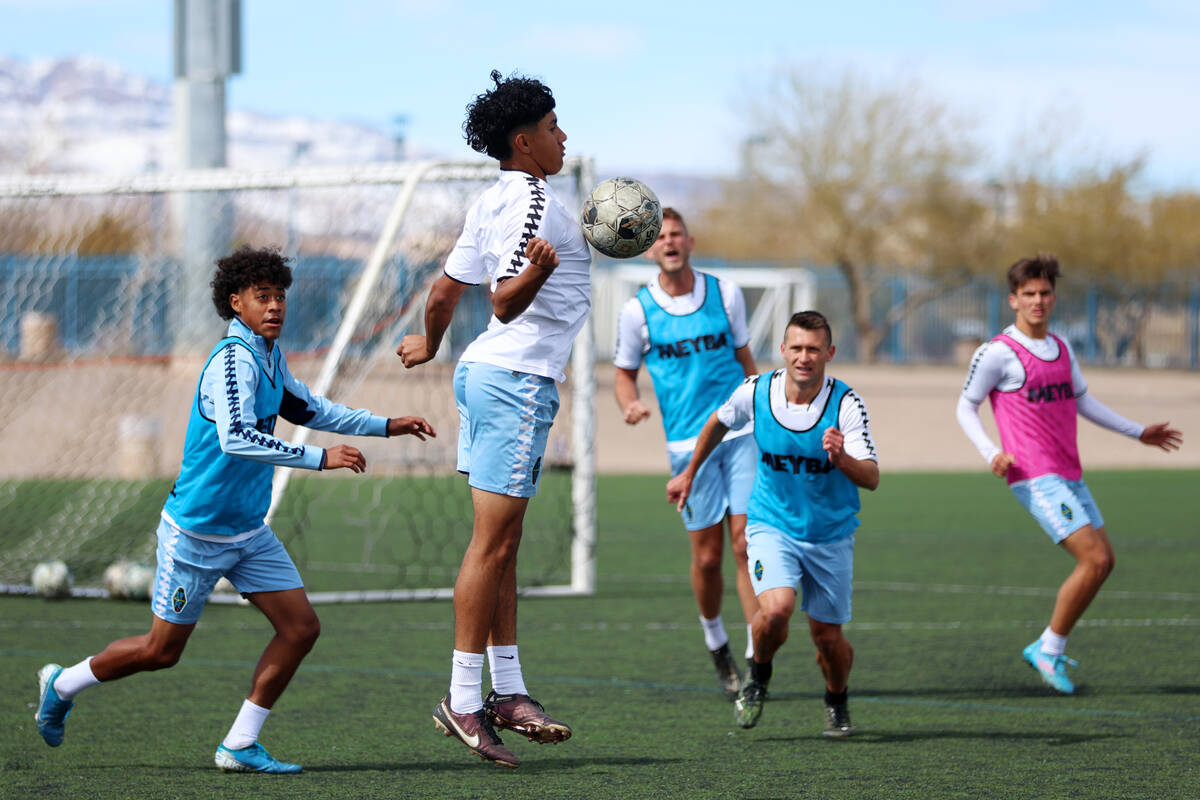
(408, 175)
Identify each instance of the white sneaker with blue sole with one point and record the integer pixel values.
(254, 758)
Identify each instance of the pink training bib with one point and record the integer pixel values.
(1037, 421)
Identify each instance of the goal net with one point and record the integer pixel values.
(106, 320)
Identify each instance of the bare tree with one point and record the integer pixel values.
(859, 175)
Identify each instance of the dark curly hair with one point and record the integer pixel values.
(247, 267)
(493, 116)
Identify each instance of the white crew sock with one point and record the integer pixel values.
(247, 726)
(714, 632)
(73, 680)
(466, 682)
(749, 642)
(506, 670)
(1052, 643)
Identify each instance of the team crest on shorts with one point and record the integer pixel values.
(537, 469)
(179, 600)
(1066, 511)
(758, 570)
(687, 509)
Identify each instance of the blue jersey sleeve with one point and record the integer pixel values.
(301, 407)
(239, 430)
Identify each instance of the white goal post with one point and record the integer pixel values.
(105, 320)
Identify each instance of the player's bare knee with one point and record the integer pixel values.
(303, 633)
(1102, 565)
(155, 656)
(776, 620)
(737, 545)
(707, 562)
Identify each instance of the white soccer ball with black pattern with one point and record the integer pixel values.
(138, 581)
(621, 217)
(52, 579)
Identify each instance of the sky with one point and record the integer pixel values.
(664, 87)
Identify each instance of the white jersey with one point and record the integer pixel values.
(995, 366)
(492, 247)
(633, 335)
(853, 421)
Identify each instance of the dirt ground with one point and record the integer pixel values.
(124, 419)
(912, 419)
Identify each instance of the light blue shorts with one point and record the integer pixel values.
(1060, 506)
(823, 570)
(504, 418)
(189, 568)
(723, 483)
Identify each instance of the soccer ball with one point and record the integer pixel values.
(139, 581)
(114, 578)
(621, 217)
(129, 579)
(52, 579)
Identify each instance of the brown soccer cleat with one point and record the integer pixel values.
(524, 715)
(475, 731)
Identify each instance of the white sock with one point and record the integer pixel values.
(246, 727)
(506, 670)
(714, 632)
(1052, 643)
(749, 642)
(466, 682)
(73, 680)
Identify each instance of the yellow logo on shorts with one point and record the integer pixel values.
(758, 570)
(1066, 511)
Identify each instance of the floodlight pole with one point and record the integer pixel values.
(207, 50)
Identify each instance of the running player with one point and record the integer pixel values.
(213, 521)
(815, 452)
(1036, 388)
(530, 249)
(690, 329)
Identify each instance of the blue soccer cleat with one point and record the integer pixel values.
(1053, 669)
(52, 710)
(254, 758)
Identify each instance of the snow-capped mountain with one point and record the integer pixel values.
(85, 115)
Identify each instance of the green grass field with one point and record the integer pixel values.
(952, 580)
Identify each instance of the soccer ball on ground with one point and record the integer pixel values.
(114, 578)
(621, 217)
(52, 579)
(139, 581)
(129, 580)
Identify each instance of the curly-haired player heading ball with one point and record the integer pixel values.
(525, 243)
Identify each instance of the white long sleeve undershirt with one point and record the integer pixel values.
(1087, 406)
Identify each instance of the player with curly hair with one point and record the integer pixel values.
(213, 522)
(530, 249)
